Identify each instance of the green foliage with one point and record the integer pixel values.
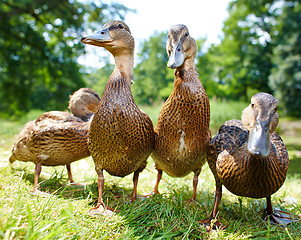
(223, 110)
(285, 79)
(260, 51)
(97, 79)
(152, 79)
(39, 46)
(243, 58)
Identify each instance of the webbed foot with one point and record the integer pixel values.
(77, 184)
(281, 218)
(192, 200)
(100, 209)
(212, 224)
(151, 194)
(133, 199)
(37, 192)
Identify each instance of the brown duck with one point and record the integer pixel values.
(121, 135)
(249, 158)
(57, 138)
(182, 132)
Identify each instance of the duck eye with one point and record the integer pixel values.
(186, 34)
(96, 95)
(252, 105)
(120, 26)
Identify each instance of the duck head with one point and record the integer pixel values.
(261, 119)
(180, 47)
(83, 103)
(115, 37)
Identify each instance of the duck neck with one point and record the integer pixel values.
(124, 64)
(87, 116)
(80, 110)
(187, 66)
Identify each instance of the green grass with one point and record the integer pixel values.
(63, 214)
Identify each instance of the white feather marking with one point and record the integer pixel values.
(43, 157)
(182, 143)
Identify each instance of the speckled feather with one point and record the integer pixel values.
(242, 173)
(53, 143)
(56, 137)
(182, 131)
(121, 136)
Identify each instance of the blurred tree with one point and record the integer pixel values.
(97, 78)
(153, 81)
(285, 79)
(242, 61)
(39, 46)
(210, 73)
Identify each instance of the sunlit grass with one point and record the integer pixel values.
(63, 214)
(222, 110)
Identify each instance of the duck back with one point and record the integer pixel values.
(52, 142)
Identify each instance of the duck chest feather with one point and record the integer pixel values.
(182, 131)
(121, 136)
(242, 173)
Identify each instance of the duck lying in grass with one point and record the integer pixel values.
(57, 138)
(121, 136)
(249, 158)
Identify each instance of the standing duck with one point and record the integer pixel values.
(182, 132)
(121, 136)
(57, 138)
(249, 158)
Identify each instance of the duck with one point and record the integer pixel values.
(57, 137)
(182, 134)
(249, 158)
(121, 136)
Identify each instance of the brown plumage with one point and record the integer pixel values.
(182, 132)
(248, 157)
(121, 136)
(57, 138)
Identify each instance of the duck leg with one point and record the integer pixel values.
(159, 176)
(135, 182)
(37, 173)
(35, 190)
(156, 191)
(278, 217)
(68, 166)
(217, 199)
(70, 176)
(100, 208)
(195, 185)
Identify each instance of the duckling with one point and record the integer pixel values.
(182, 132)
(57, 138)
(121, 136)
(249, 158)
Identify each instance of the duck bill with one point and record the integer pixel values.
(259, 138)
(176, 57)
(99, 38)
